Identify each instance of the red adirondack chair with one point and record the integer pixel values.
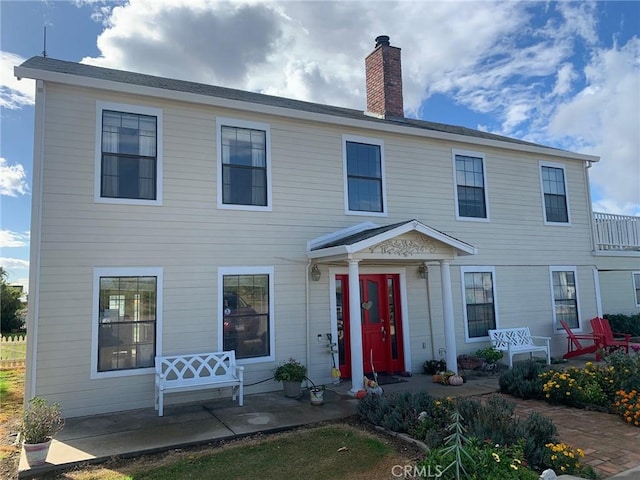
(574, 347)
(611, 340)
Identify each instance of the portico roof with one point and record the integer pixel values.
(406, 240)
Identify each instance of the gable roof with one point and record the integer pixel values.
(369, 237)
(31, 67)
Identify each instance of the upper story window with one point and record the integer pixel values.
(554, 189)
(478, 290)
(564, 290)
(470, 183)
(364, 176)
(127, 313)
(244, 175)
(128, 160)
(636, 287)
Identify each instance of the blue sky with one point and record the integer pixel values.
(564, 74)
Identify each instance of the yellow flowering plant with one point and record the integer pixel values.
(564, 459)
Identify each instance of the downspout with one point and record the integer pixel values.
(35, 243)
(307, 315)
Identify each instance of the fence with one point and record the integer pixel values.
(13, 351)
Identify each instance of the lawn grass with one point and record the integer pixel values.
(321, 453)
(11, 398)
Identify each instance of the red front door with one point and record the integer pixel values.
(380, 322)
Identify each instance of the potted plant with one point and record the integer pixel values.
(41, 420)
(431, 367)
(291, 374)
(489, 354)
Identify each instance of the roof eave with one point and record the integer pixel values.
(90, 82)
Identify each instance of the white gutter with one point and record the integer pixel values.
(35, 243)
(163, 93)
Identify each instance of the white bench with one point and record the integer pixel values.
(198, 371)
(518, 340)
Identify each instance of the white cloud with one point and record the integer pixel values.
(13, 263)
(13, 239)
(14, 93)
(520, 62)
(12, 179)
(603, 119)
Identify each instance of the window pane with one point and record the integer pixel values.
(636, 285)
(555, 199)
(565, 298)
(244, 166)
(470, 180)
(246, 315)
(479, 303)
(365, 195)
(127, 323)
(128, 140)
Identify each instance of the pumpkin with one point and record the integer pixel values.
(437, 378)
(456, 380)
(360, 394)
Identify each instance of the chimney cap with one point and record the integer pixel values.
(382, 40)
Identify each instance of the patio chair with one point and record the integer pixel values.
(611, 340)
(574, 347)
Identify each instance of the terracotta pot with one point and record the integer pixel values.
(36, 453)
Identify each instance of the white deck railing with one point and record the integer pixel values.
(13, 350)
(617, 232)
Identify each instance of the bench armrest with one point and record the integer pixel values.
(540, 338)
(240, 371)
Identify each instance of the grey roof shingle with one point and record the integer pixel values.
(121, 76)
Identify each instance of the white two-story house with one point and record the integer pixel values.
(174, 217)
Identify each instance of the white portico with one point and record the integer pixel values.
(405, 243)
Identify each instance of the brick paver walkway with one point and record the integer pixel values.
(610, 445)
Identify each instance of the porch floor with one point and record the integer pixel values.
(127, 434)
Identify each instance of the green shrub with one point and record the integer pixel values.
(624, 371)
(536, 430)
(489, 354)
(625, 323)
(523, 380)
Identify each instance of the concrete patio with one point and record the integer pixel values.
(612, 446)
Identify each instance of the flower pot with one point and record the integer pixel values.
(36, 453)
(292, 389)
(317, 395)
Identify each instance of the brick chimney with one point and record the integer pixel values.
(384, 80)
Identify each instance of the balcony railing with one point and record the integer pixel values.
(617, 232)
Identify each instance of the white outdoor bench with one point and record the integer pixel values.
(198, 371)
(518, 340)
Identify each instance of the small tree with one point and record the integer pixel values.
(10, 305)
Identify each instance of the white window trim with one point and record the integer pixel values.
(566, 192)
(557, 328)
(480, 155)
(121, 107)
(635, 287)
(266, 270)
(478, 269)
(233, 122)
(370, 141)
(124, 272)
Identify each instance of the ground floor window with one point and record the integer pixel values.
(127, 319)
(564, 291)
(636, 287)
(246, 307)
(478, 290)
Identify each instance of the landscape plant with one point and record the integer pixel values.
(41, 420)
(291, 371)
(627, 405)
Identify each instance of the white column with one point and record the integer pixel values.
(449, 325)
(355, 328)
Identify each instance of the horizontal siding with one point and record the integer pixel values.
(190, 239)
